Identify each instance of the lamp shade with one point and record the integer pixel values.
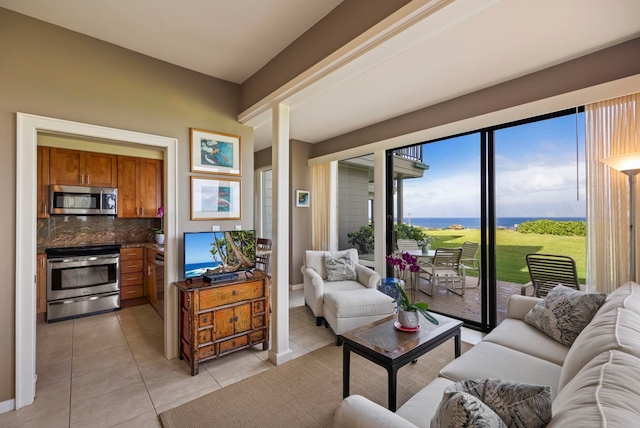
(628, 164)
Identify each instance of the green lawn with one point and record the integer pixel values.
(512, 247)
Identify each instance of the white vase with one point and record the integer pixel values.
(160, 238)
(408, 319)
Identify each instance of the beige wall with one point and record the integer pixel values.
(344, 23)
(49, 71)
(300, 218)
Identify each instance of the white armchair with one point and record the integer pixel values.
(316, 283)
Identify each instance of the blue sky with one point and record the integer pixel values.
(535, 173)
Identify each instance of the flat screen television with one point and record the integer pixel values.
(219, 253)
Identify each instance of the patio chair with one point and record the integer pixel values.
(468, 259)
(407, 245)
(549, 270)
(445, 268)
(263, 254)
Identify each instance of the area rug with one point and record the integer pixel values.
(304, 392)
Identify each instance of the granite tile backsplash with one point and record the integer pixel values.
(66, 231)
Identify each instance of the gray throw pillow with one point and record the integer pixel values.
(340, 269)
(459, 409)
(516, 405)
(564, 313)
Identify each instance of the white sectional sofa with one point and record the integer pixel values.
(595, 383)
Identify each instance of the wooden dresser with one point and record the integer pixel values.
(220, 318)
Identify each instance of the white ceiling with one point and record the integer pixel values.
(465, 46)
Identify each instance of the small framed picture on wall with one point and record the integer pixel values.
(215, 153)
(303, 198)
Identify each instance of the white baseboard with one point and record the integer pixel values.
(297, 286)
(7, 406)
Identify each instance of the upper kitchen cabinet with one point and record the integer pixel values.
(78, 168)
(139, 187)
(42, 210)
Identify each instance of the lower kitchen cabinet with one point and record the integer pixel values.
(131, 273)
(150, 277)
(220, 318)
(41, 284)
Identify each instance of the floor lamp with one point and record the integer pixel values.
(628, 164)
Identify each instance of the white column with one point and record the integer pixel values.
(280, 352)
(379, 203)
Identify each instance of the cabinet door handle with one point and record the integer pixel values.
(44, 209)
(230, 320)
(88, 179)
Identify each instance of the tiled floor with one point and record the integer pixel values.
(109, 370)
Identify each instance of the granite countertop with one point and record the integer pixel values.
(150, 245)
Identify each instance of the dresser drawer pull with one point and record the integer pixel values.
(234, 292)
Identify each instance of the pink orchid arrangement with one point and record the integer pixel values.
(160, 215)
(402, 263)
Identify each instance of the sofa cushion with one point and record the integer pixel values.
(491, 361)
(617, 329)
(564, 312)
(459, 409)
(517, 405)
(315, 259)
(626, 296)
(340, 268)
(522, 337)
(420, 407)
(603, 394)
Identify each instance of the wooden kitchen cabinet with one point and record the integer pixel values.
(42, 210)
(41, 283)
(150, 277)
(79, 168)
(139, 187)
(131, 273)
(219, 318)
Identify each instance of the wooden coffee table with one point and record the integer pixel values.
(391, 349)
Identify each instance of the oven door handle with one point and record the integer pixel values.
(77, 299)
(71, 263)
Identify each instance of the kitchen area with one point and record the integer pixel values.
(98, 212)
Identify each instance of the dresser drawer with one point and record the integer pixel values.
(234, 293)
(235, 343)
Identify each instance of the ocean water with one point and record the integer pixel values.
(474, 223)
(198, 269)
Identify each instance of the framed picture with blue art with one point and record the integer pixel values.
(215, 199)
(302, 198)
(214, 152)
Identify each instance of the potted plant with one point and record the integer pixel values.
(408, 312)
(159, 232)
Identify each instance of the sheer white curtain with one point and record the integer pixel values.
(324, 234)
(613, 128)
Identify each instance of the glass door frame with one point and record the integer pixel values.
(488, 231)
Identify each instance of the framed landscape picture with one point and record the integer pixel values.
(215, 199)
(215, 153)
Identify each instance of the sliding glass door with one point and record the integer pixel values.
(476, 190)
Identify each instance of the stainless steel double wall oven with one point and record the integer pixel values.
(82, 281)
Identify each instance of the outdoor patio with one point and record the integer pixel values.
(467, 306)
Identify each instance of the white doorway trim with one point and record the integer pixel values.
(28, 127)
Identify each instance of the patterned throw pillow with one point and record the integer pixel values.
(564, 313)
(515, 405)
(340, 269)
(459, 409)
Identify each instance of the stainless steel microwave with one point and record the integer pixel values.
(81, 200)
